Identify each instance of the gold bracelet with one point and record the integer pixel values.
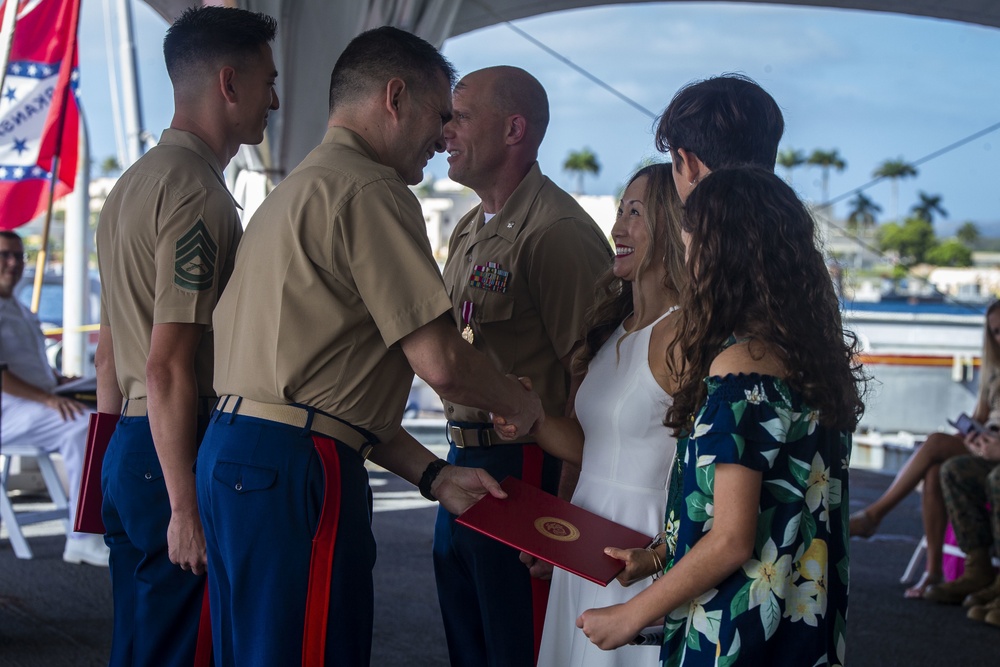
(657, 562)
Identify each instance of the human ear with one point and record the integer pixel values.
(690, 167)
(227, 85)
(393, 94)
(517, 129)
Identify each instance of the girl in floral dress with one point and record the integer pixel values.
(769, 395)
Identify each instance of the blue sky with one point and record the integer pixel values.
(873, 86)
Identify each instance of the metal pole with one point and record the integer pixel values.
(130, 85)
(43, 251)
(7, 37)
(76, 274)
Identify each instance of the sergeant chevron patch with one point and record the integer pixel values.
(194, 259)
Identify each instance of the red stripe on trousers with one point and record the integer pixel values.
(531, 473)
(203, 647)
(321, 560)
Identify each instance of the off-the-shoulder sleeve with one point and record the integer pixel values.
(746, 419)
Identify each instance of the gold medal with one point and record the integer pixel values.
(467, 308)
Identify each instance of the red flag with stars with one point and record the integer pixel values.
(39, 117)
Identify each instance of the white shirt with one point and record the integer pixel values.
(22, 345)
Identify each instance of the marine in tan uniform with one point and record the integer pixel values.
(166, 245)
(335, 301)
(520, 273)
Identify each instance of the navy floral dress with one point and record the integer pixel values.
(787, 605)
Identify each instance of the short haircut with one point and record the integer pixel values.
(380, 54)
(515, 91)
(213, 35)
(727, 121)
(10, 236)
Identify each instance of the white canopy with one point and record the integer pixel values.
(312, 33)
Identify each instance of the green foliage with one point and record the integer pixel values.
(580, 163)
(790, 158)
(911, 240)
(928, 206)
(863, 211)
(968, 233)
(895, 169)
(109, 166)
(826, 160)
(899, 272)
(950, 253)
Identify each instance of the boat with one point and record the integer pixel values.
(924, 361)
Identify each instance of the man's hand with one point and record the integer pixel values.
(458, 488)
(609, 627)
(538, 569)
(66, 407)
(186, 542)
(639, 564)
(509, 427)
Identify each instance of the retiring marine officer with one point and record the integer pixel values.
(520, 273)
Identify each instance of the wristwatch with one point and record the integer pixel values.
(431, 472)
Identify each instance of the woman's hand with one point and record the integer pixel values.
(639, 564)
(609, 627)
(507, 430)
(984, 445)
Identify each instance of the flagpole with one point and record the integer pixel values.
(43, 251)
(7, 36)
(68, 61)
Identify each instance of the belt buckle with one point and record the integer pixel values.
(457, 436)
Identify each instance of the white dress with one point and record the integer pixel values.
(627, 455)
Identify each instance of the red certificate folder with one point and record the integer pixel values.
(88, 508)
(553, 530)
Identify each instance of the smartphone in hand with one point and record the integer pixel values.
(966, 425)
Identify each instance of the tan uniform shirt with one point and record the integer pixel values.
(166, 243)
(334, 270)
(529, 276)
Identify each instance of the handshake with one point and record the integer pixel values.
(525, 422)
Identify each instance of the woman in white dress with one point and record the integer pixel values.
(616, 434)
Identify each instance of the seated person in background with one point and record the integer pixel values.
(31, 412)
(925, 465)
(971, 486)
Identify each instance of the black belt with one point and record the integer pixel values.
(475, 434)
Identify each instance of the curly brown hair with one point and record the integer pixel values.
(754, 268)
(614, 295)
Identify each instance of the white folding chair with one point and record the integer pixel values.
(917, 559)
(921, 552)
(15, 520)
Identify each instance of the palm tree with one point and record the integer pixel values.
(109, 165)
(826, 160)
(927, 206)
(895, 170)
(581, 163)
(968, 233)
(790, 158)
(863, 211)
